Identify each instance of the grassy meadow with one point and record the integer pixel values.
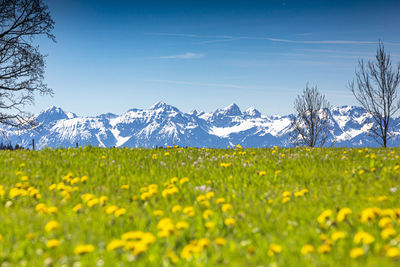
(200, 207)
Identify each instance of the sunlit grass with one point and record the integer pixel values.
(250, 207)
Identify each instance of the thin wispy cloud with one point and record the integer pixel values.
(187, 55)
(219, 85)
(322, 42)
(229, 38)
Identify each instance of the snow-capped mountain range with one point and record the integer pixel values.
(165, 125)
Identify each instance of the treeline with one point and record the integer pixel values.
(10, 147)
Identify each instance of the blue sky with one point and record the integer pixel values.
(111, 56)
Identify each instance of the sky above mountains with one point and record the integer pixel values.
(111, 56)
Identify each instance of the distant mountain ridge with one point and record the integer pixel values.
(163, 125)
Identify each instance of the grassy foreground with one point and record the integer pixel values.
(200, 207)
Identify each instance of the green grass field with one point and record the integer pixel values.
(200, 207)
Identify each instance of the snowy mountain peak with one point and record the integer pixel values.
(252, 112)
(162, 106)
(231, 110)
(53, 113)
(164, 125)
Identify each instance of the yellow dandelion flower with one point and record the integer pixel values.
(176, 208)
(139, 248)
(274, 249)
(158, 213)
(307, 249)
(207, 214)
(53, 243)
(184, 180)
(52, 209)
(285, 200)
(203, 242)
(115, 244)
(262, 173)
(148, 238)
(201, 198)
(41, 208)
(356, 252)
(338, 235)
(364, 238)
(388, 232)
(209, 225)
(172, 256)
(220, 200)
(323, 249)
(111, 209)
(324, 216)
(393, 252)
(189, 211)
(119, 212)
(220, 241)
(226, 207)
(343, 214)
(133, 235)
(103, 200)
(83, 249)
(230, 221)
(51, 226)
(210, 195)
(125, 186)
(93, 202)
(385, 222)
(182, 225)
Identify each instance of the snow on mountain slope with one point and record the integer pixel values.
(163, 125)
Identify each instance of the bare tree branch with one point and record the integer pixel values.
(21, 64)
(376, 89)
(310, 125)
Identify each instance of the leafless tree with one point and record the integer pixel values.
(310, 124)
(21, 63)
(376, 88)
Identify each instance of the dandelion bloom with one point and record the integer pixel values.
(115, 244)
(176, 208)
(324, 248)
(207, 214)
(133, 235)
(226, 207)
(343, 214)
(110, 209)
(51, 226)
(306, 249)
(364, 238)
(53, 243)
(209, 225)
(356, 252)
(83, 249)
(182, 225)
(119, 212)
(220, 241)
(385, 222)
(230, 221)
(338, 235)
(324, 216)
(388, 232)
(274, 249)
(393, 252)
(158, 213)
